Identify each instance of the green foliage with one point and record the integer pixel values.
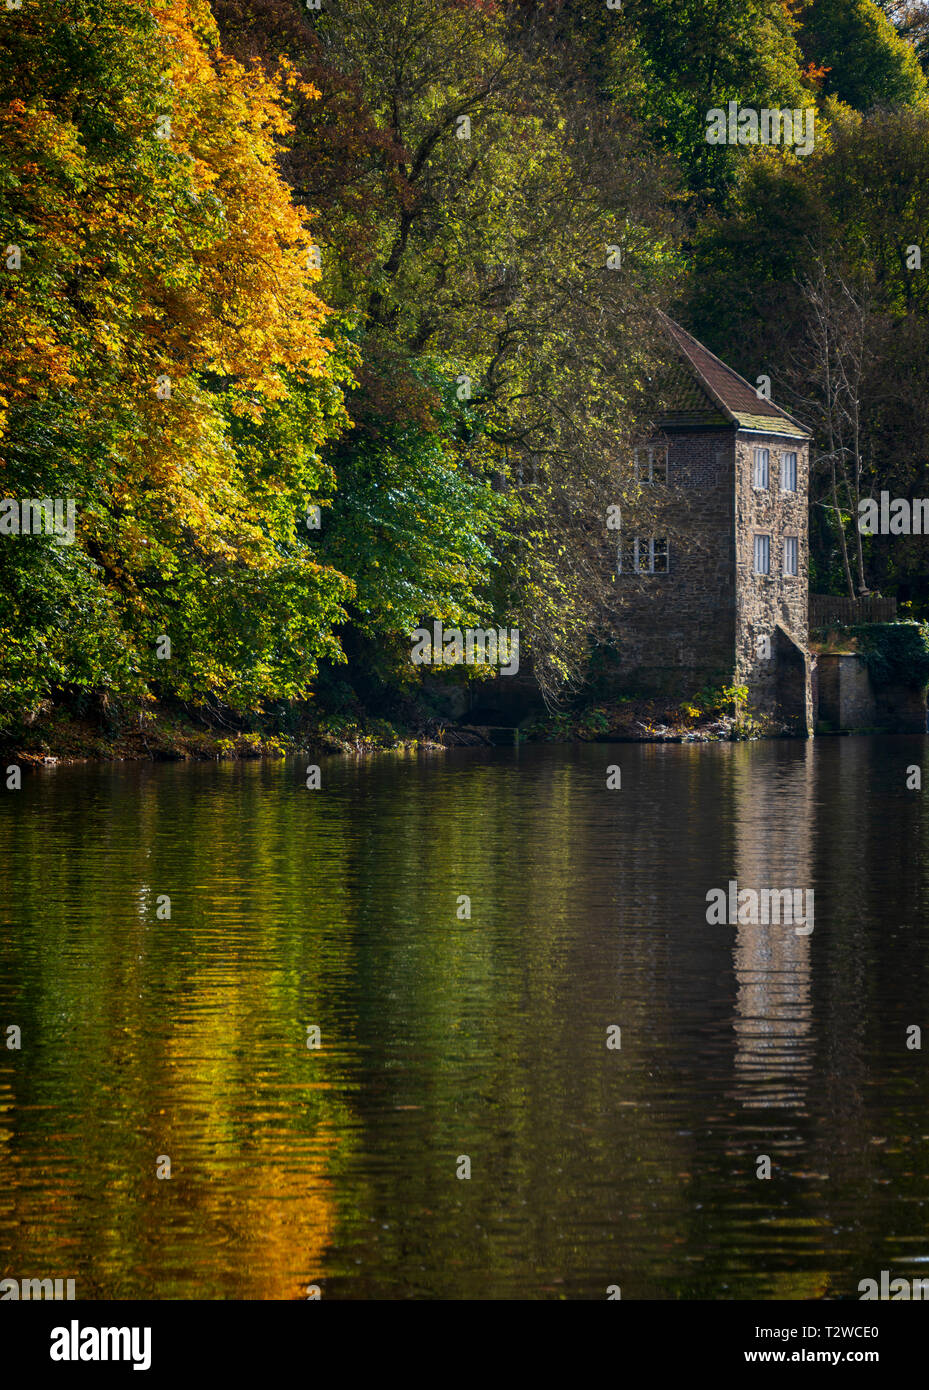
(410, 522)
(682, 58)
(715, 699)
(867, 62)
(487, 266)
(894, 653)
(568, 725)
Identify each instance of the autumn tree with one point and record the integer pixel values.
(165, 363)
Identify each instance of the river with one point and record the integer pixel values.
(467, 932)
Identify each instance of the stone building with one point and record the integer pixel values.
(712, 559)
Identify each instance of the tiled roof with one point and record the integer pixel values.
(686, 400)
(703, 390)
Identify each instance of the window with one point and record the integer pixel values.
(643, 555)
(760, 469)
(791, 555)
(788, 472)
(650, 555)
(651, 465)
(762, 554)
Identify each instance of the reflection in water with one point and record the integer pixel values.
(775, 836)
(169, 934)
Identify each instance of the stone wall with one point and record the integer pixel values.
(849, 702)
(676, 631)
(901, 709)
(846, 697)
(766, 602)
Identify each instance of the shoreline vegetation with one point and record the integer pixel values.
(163, 734)
(91, 728)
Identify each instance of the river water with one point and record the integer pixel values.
(445, 1037)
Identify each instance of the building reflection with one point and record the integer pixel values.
(773, 1022)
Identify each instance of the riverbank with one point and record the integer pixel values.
(166, 735)
(160, 735)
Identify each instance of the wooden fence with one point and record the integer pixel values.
(839, 608)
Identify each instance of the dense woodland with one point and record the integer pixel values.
(334, 321)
